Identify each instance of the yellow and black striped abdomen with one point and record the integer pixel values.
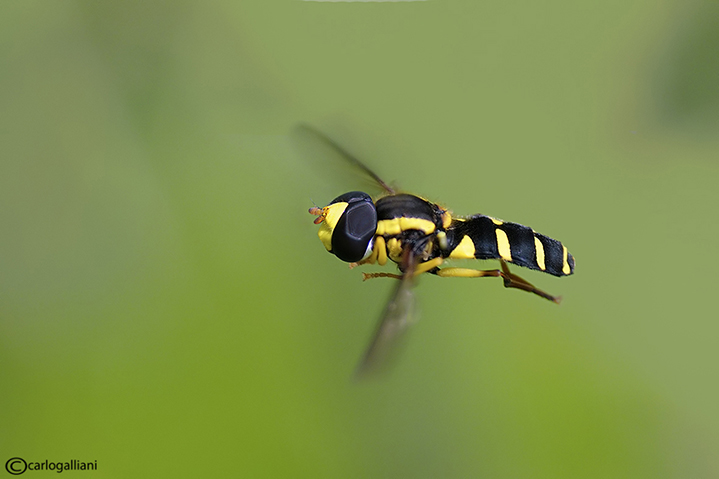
(483, 237)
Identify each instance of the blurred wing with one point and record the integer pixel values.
(397, 316)
(308, 139)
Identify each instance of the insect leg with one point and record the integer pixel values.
(419, 269)
(513, 281)
(510, 280)
(381, 246)
(428, 265)
(467, 273)
(366, 276)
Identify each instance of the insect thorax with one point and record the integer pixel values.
(405, 219)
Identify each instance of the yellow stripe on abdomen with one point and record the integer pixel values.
(503, 245)
(565, 264)
(539, 250)
(464, 250)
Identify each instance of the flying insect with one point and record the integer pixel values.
(419, 235)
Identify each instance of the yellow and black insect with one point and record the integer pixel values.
(419, 236)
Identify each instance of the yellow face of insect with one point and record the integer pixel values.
(347, 225)
(328, 220)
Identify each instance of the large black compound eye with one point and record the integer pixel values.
(356, 227)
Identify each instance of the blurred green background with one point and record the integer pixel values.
(167, 309)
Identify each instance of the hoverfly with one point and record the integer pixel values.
(419, 236)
